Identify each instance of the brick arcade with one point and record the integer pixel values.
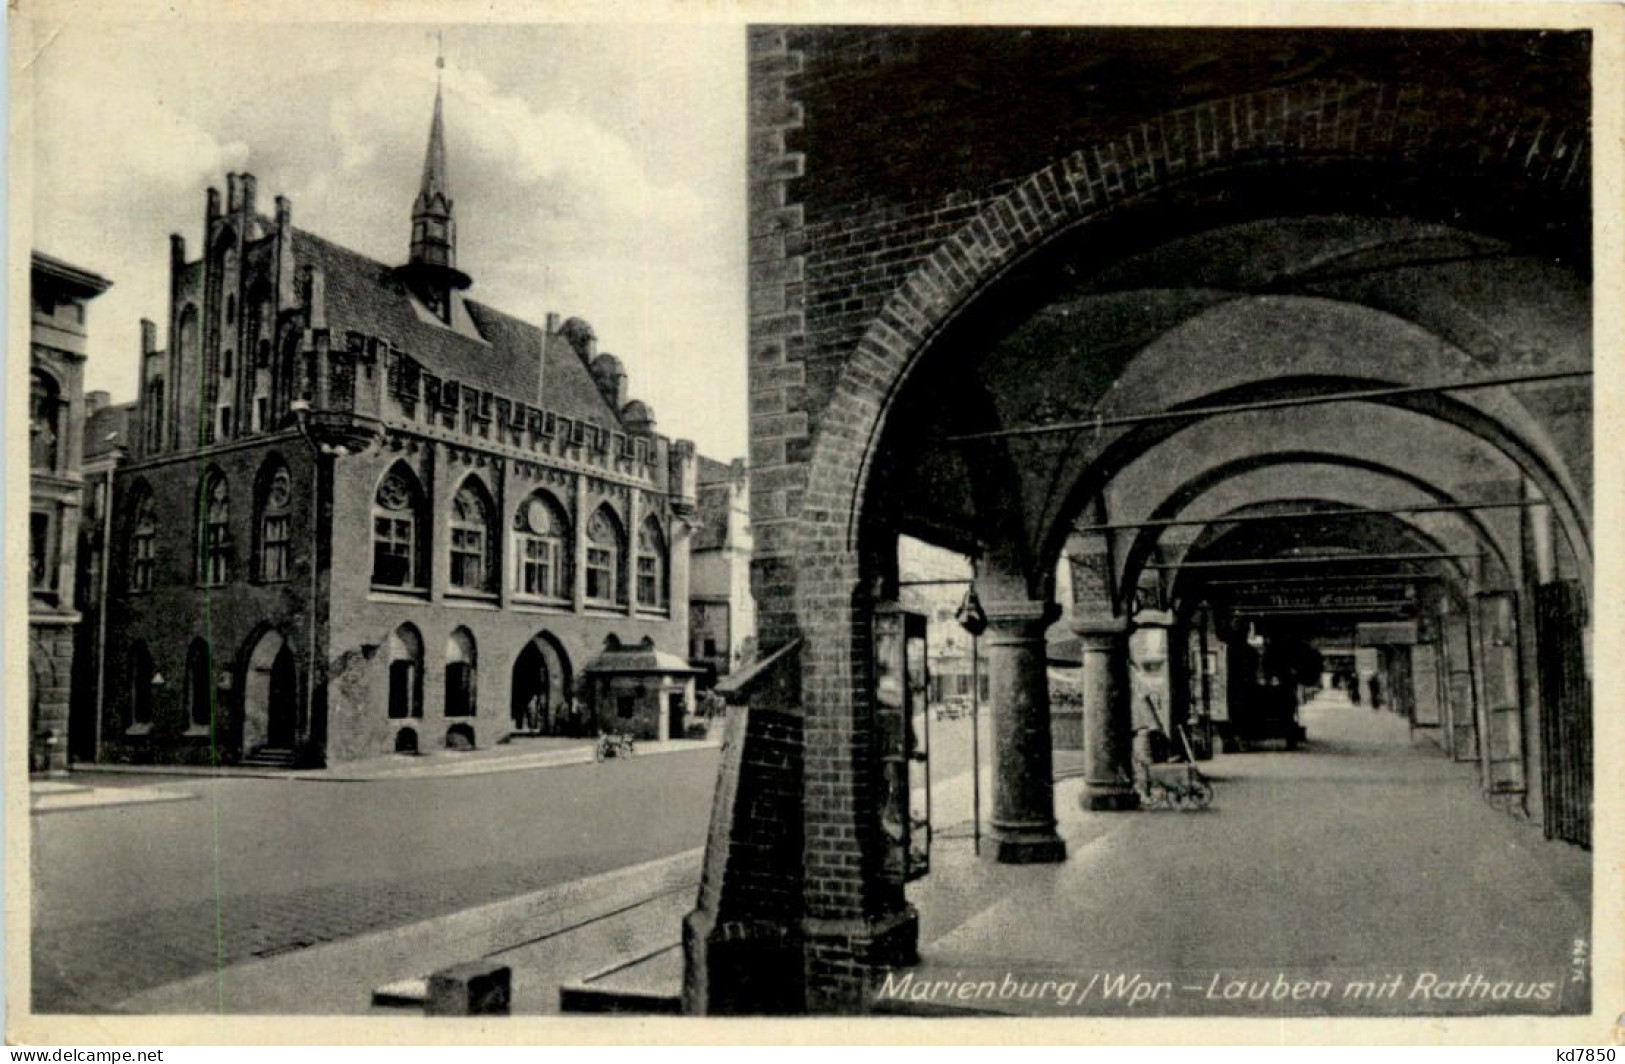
(1190, 309)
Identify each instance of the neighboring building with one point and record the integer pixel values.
(395, 517)
(106, 448)
(59, 294)
(721, 610)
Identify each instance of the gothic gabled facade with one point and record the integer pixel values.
(365, 513)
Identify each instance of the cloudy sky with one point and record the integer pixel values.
(597, 172)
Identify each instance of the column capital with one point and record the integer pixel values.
(1153, 619)
(1101, 633)
(1019, 613)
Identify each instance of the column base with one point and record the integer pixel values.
(1109, 797)
(1027, 845)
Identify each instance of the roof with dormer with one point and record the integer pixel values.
(489, 350)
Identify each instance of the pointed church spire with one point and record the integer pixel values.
(433, 260)
(434, 193)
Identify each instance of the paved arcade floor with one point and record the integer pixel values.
(1364, 872)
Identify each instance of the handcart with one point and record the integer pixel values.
(1178, 785)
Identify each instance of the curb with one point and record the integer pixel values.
(517, 763)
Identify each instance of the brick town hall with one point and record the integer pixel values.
(365, 513)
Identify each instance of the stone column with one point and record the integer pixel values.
(1023, 824)
(1108, 771)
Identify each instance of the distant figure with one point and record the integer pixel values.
(1376, 692)
(533, 715)
(1352, 682)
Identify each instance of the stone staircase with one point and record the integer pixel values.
(271, 757)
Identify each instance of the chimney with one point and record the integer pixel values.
(149, 337)
(212, 203)
(95, 401)
(233, 196)
(284, 212)
(552, 322)
(246, 197)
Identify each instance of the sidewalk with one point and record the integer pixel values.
(53, 796)
(548, 936)
(516, 756)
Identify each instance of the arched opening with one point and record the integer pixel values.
(541, 687)
(606, 559)
(200, 688)
(460, 737)
(544, 567)
(270, 695)
(472, 541)
(406, 741)
(140, 686)
(404, 655)
(273, 520)
(214, 540)
(654, 567)
(398, 539)
(461, 675)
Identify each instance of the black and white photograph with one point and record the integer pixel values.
(551, 523)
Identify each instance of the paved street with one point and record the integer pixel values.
(131, 897)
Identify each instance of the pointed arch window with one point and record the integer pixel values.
(461, 675)
(199, 686)
(214, 531)
(397, 526)
(275, 524)
(405, 673)
(155, 414)
(471, 539)
(542, 567)
(143, 542)
(142, 674)
(653, 579)
(606, 559)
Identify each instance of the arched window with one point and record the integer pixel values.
(461, 664)
(141, 675)
(606, 559)
(653, 590)
(397, 526)
(44, 421)
(405, 673)
(199, 685)
(542, 549)
(191, 368)
(143, 540)
(214, 530)
(274, 523)
(155, 414)
(472, 567)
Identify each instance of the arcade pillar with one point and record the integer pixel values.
(1023, 824)
(1108, 772)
